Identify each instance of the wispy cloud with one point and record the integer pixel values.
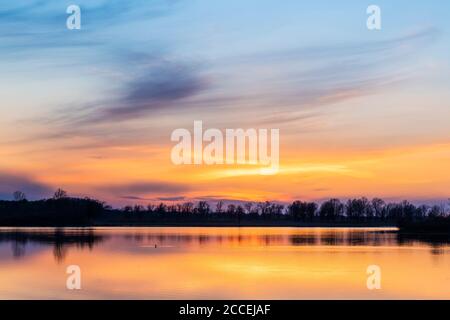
(291, 80)
(306, 168)
(307, 78)
(383, 49)
(142, 190)
(161, 86)
(272, 86)
(176, 198)
(29, 26)
(279, 88)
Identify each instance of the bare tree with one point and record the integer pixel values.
(378, 206)
(203, 208)
(248, 207)
(219, 206)
(187, 207)
(19, 196)
(60, 194)
(231, 209)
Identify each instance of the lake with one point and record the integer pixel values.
(221, 263)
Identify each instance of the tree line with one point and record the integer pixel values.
(63, 210)
(60, 210)
(330, 210)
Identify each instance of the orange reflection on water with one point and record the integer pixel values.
(221, 263)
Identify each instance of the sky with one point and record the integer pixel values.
(360, 112)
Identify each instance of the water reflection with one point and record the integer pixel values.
(60, 239)
(438, 239)
(63, 239)
(221, 263)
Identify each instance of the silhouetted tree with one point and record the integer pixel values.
(408, 210)
(161, 209)
(303, 211)
(188, 208)
(19, 196)
(311, 209)
(127, 209)
(300, 210)
(264, 208)
(295, 210)
(436, 211)
(422, 212)
(248, 207)
(401, 211)
(60, 194)
(276, 209)
(358, 208)
(219, 207)
(203, 208)
(239, 212)
(173, 208)
(231, 209)
(85, 212)
(378, 206)
(331, 209)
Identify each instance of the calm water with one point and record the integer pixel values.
(221, 263)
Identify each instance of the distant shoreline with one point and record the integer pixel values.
(255, 224)
(62, 211)
(252, 224)
(107, 222)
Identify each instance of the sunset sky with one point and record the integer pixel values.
(360, 112)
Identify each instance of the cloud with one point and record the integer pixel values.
(298, 79)
(160, 87)
(148, 83)
(264, 88)
(27, 26)
(10, 183)
(139, 189)
(307, 78)
(176, 198)
(400, 45)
